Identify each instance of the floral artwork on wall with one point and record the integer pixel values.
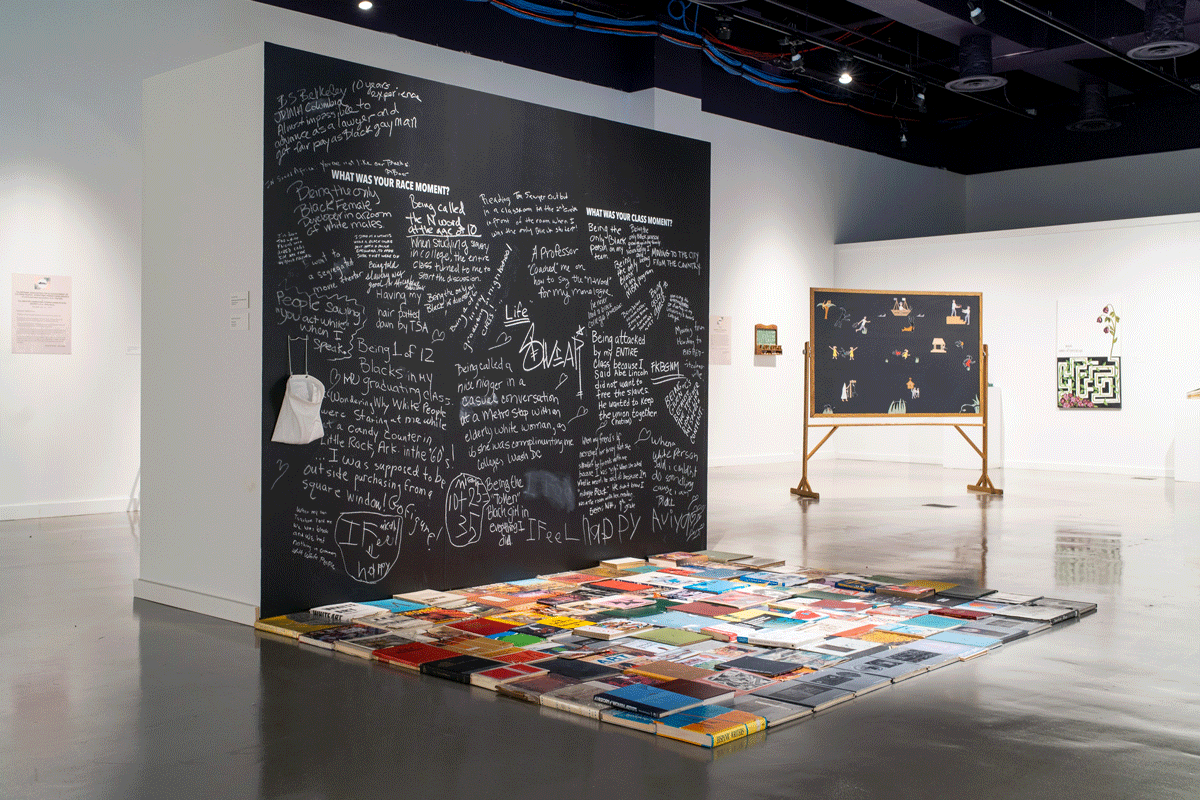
(1089, 353)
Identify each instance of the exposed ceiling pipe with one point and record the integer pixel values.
(1018, 5)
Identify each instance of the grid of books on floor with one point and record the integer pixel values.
(702, 647)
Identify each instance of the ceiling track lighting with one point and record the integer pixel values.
(975, 65)
(365, 5)
(975, 12)
(1164, 32)
(919, 97)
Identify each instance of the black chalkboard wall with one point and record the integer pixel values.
(888, 353)
(506, 305)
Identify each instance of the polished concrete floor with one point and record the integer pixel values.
(102, 696)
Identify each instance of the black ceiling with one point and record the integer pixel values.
(1046, 49)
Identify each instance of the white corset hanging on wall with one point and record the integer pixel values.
(299, 419)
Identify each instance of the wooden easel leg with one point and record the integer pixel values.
(985, 485)
(804, 490)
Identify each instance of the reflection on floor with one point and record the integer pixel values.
(105, 697)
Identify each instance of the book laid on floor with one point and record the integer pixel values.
(775, 712)
(365, 648)
(493, 677)
(955, 612)
(411, 656)
(676, 637)
(481, 626)
(292, 625)
(981, 644)
(577, 699)
(985, 605)
(742, 682)
(458, 668)
(760, 666)
(710, 726)
(1013, 598)
(345, 612)
(577, 668)
(841, 646)
(328, 637)
(706, 692)
(1003, 628)
(669, 670)
(857, 683)
(1051, 614)
(814, 696)
(1080, 608)
(935, 654)
(678, 558)
(431, 597)
(395, 604)
(724, 556)
(966, 592)
(905, 592)
(888, 666)
(628, 719)
(522, 656)
(623, 562)
(651, 701)
(614, 628)
(760, 562)
(934, 621)
(531, 689)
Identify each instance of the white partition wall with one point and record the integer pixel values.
(1148, 263)
(201, 377)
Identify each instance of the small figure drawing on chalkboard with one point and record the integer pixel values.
(967, 362)
(913, 389)
(939, 345)
(848, 391)
(828, 304)
(909, 329)
(954, 318)
(967, 315)
(861, 326)
(900, 307)
(843, 317)
(849, 353)
(835, 352)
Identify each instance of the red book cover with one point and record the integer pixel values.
(413, 655)
(481, 626)
(615, 585)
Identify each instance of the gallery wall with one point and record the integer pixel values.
(71, 203)
(1146, 266)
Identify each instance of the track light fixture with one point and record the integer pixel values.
(724, 29)
(365, 5)
(844, 75)
(975, 12)
(919, 96)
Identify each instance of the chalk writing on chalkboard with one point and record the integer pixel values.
(507, 305)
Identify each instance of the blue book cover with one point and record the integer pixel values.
(968, 639)
(718, 586)
(678, 619)
(935, 621)
(395, 605)
(651, 701)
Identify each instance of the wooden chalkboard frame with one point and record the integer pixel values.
(873, 305)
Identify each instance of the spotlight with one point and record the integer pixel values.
(366, 5)
(844, 75)
(919, 96)
(724, 31)
(975, 13)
